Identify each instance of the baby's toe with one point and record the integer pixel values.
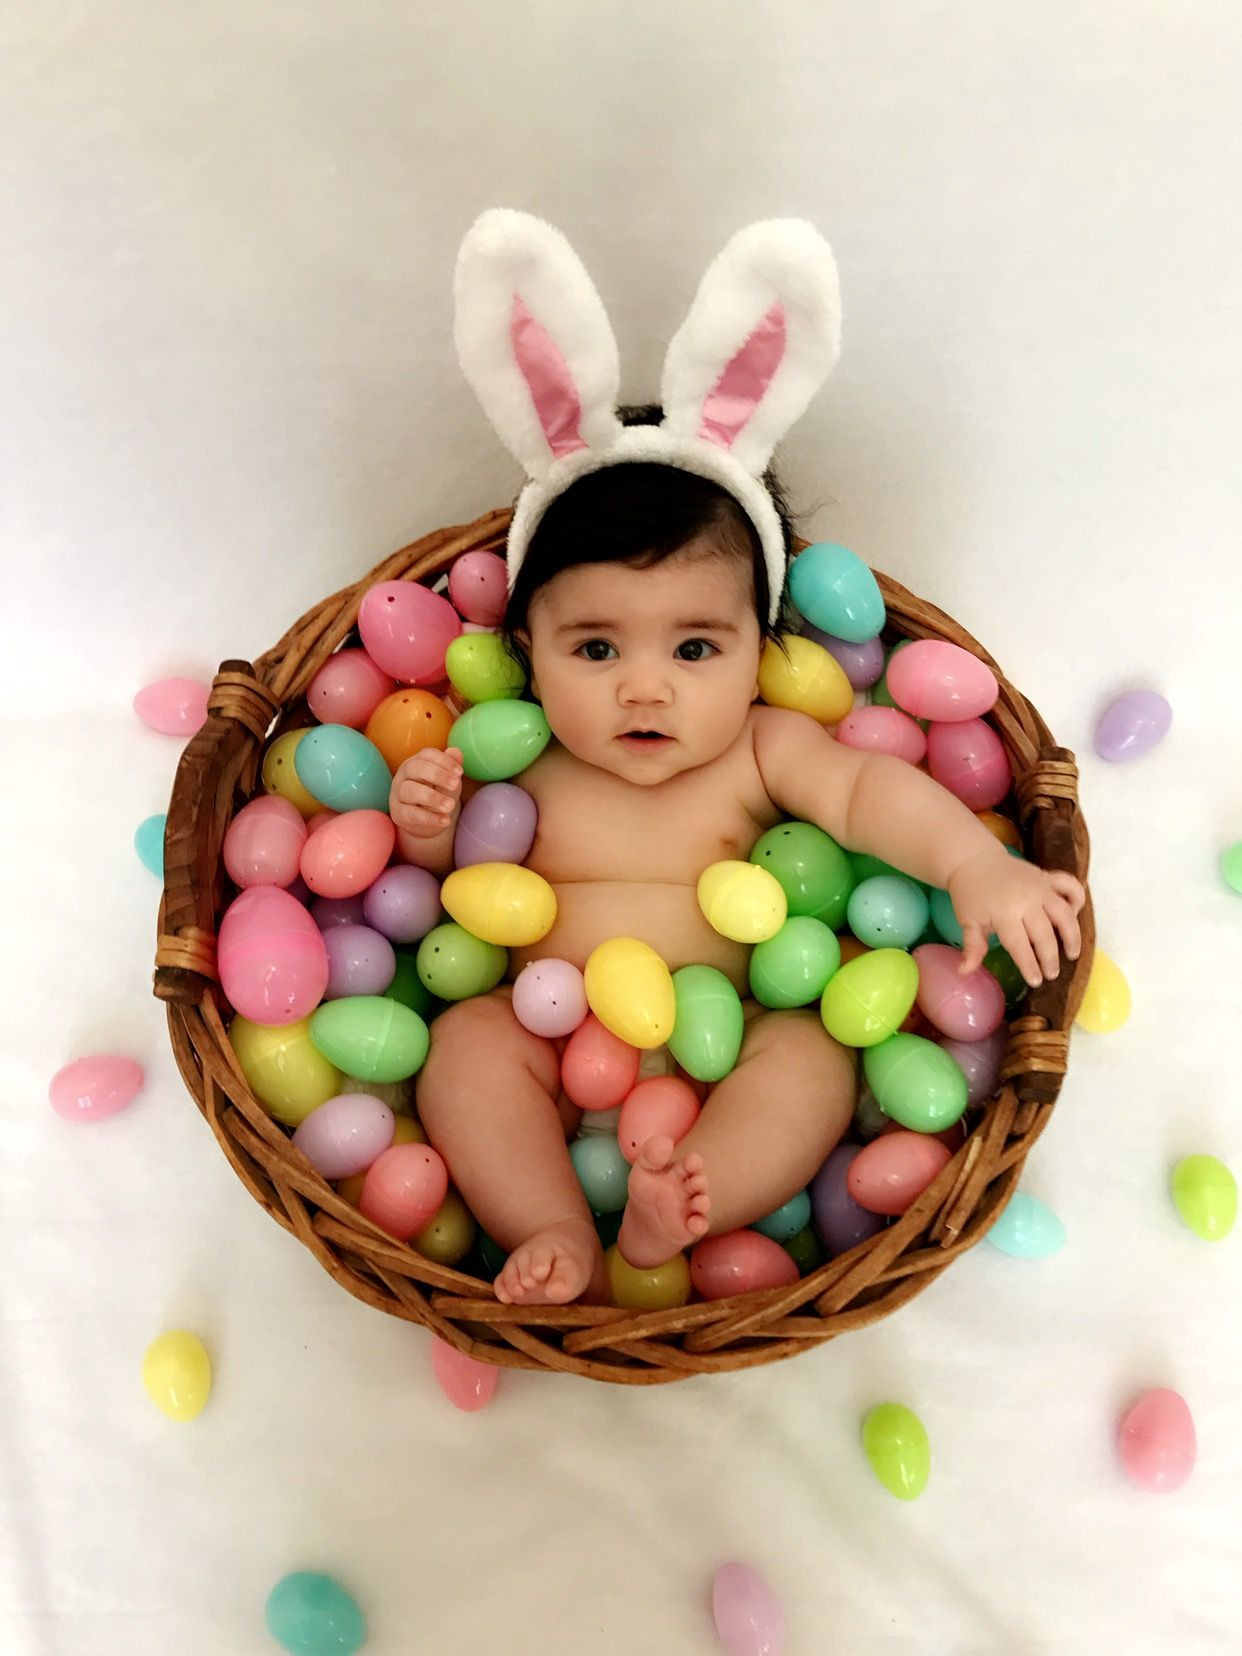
(696, 1224)
(693, 1163)
(656, 1154)
(542, 1260)
(701, 1202)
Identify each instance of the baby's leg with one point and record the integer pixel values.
(487, 1097)
(764, 1132)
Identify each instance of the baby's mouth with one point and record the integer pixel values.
(645, 738)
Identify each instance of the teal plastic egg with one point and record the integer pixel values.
(811, 868)
(500, 738)
(916, 1082)
(1027, 1229)
(793, 968)
(602, 1170)
(149, 843)
(708, 1023)
(888, 912)
(342, 769)
(784, 1222)
(370, 1036)
(836, 592)
(454, 965)
(312, 1615)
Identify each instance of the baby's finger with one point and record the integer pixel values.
(1018, 945)
(429, 797)
(1066, 921)
(1067, 886)
(974, 947)
(1044, 940)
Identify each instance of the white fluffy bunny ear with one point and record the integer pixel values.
(762, 335)
(534, 340)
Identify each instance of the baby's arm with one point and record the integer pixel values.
(424, 802)
(876, 803)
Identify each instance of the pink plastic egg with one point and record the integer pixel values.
(403, 903)
(936, 680)
(345, 1134)
(465, 1381)
(748, 1615)
(342, 858)
(176, 706)
(406, 629)
(496, 825)
(549, 998)
(271, 957)
(967, 758)
(347, 689)
(659, 1104)
(890, 1173)
(403, 1190)
(980, 1062)
(737, 1262)
(478, 587)
(263, 843)
(92, 1088)
(1156, 1441)
(598, 1068)
(883, 730)
(361, 961)
(963, 1008)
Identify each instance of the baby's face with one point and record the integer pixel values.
(672, 649)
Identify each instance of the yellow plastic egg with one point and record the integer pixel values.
(805, 677)
(1106, 1004)
(650, 1287)
(449, 1235)
(501, 903)
(408, 1130)
(1004, 830)
(279, 776)
(176, 1372)
(287, 1073)
(742, 901)
(630, 991)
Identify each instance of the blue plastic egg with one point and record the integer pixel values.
(887, 911)
(342, 769)
(784, 1222)
(602, 1170)
(836, 592)
(1028, 1229)
(312, 1615)
(149, 844)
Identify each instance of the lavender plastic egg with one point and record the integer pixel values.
(345, 1134)
(327, 912)
(497, 825)
(1133, 725)
(360, 961)
(403, 903)
(841, 1222)
(862, 663)
(980, 1062)
(549, 998)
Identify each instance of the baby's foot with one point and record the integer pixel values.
(667, 1207)
(553, 1266)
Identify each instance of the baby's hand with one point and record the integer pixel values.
(1022, 904)
(425, 792)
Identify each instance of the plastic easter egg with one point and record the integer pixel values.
(836, 592)
(1132, 725)
(176, 1372)
(405, 723)
(840, 1221)
(496, 825)
(283, 1068)
(403, 903)
(784, 1222)
(1205, 1193)
(549, 998)
(342, 769)
(863, 662)
(916, 1082)
(478, 587)
(95, 1087)
(709, 1023)
(1027, 1229)
(360, 962)
(980, 1062)
(500, 738)
(347, 689)
(1002, 967)
(603, 1172)
(647, 1287)
(881, 696)
(271, 957)
(658, 1104)
(883, 730)
(280, 774)
(793, 968)
(867, 999)
(869, 1118)
(1106, 1002)
(406, 629)
(174, 706)
(892, 1172)
(742, 901)
(1004, 830)
(810, 867)
(501, 902)
(454, 965)
(896, 1445)
(449, 1234)
(963, 1008)
(371, 1036)
(946, 922)
(149, 843)
(481, 669)
(968, 758)
(736, 1262)
(408, 988)
(345, 1134)
(404, 1187)
(806, 1250)
(800, 674)
(748, 1615)
(263, 843)
(630, 990)
(598, 1068)
(888, 911)
(1231, 866)
(468, 1384)
(937, 680)
(312, 1615)
(1156, 1441)
(328, 912)
(348, 854)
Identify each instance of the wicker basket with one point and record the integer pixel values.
(218, 772)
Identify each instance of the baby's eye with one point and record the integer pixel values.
(595, 649)
(698, 649)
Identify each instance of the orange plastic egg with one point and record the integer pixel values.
(660, 1104)
(346, 855)
(406, 722)
(890, 1173)
(404, 1189)
(598, 1068)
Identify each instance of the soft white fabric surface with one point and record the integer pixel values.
(226, 388)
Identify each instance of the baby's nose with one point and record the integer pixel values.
(645, 684)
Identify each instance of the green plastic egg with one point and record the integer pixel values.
(408, 988)
(866, 867)
(708, 1024)
(806, 1250)
(500, 738)
(1205, 1193)
(895, 1442)
(371, 1036)
(1231, 866)
(602, 1170)
(342, 769)
(1004, 969)
(285, 1070)
(312, 1615)
(453, 965)
(813, 871)
(793, 968)
(916, 1082)
(879, 694)
(481, 669)
(868, 999)
(888, 911)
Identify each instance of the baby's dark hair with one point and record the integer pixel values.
(639, 512)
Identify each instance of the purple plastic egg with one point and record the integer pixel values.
(549, 998)
(497, 825)
(862, 663)
(95, 1087)
(345, 1135)
(841, 1222)
(1132, 725)
(327, 912)
(748, 1615)
(361, 961)
(980, 1062)
(403, 903)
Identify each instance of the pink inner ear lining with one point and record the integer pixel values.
(551, 384)
(740, 388)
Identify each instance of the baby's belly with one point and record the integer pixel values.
(667, 916)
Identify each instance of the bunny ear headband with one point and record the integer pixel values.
(535, 344)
